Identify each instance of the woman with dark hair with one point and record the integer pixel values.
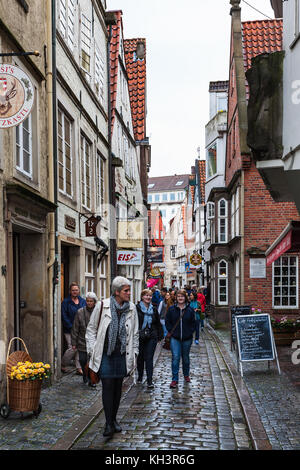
(151, 332)
(112, 340)
(181, 324)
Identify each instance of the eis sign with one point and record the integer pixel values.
(130, 258)
(16, 96)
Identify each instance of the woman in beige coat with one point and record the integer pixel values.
(113, 346)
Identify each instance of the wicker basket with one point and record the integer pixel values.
(25, 395)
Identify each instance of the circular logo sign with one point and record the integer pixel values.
(16, 96)
(195, 259)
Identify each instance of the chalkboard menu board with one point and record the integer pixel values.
(235, 311)
(254, 337)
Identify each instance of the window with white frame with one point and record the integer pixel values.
(66, 21)
(211, 160)
(235, 214)
(99, 75)
(211, 222)
(85, 172)
(223, 282)
(165, 197)
(173, 251)
(213, 284)
(126, 154)
(149, 197)
(237, 280)
(64, 141)
(24, 147)
(285, 282)
(100, 172)
(86, 41)
(222, 221)
(89, 272)
(103, 278)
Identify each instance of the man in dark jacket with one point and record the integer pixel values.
(181, 324)
(69, 308)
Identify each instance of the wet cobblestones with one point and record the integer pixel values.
(277, 400)
(202, 415)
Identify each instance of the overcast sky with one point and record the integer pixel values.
(187, 47)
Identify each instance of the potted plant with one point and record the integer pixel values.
(285, 329)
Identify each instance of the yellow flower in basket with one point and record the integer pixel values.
(30, 371)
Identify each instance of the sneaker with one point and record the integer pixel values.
(173, 384)
(187, 378)
(139, 381)
(150, 385)
(196, 341)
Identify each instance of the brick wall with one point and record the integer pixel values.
(264, 222)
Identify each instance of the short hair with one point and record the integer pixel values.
(184, 293)
(92, 295)
(74, 284)
(164, 289)
(118, 283)
(146, 291)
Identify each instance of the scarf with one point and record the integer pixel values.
(148, 314)
(117, 325)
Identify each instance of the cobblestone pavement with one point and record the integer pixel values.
(62, 405)
(202, 415)
(276, 397)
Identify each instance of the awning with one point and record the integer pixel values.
(287, 242)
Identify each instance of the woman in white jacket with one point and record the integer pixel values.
(113, 346)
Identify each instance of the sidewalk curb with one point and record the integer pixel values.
(91, 414)
(257, 431)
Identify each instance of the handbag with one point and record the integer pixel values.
(93, 376)
(167, 342)
(145, 333)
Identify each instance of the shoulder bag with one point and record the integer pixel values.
(167, 341)
(93, 376)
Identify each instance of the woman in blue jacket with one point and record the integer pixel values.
(181, 324)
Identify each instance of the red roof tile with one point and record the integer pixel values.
(117, 30)
(260, 37)
(202, 173)
(136, 72)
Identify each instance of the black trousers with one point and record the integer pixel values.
(145, 358)
(83, 360)
(111, 397)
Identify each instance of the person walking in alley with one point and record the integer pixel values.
(196, 306)
(201, 298)
(162, 311)
(181, 324)
(151, 332)
(69, 308)
(79, 327)
(112, 343)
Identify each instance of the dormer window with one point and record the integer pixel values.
(179, 183)
(151, 185)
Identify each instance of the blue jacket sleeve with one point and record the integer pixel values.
(65, 316)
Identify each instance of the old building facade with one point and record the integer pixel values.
(26, 185)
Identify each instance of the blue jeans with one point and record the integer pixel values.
(199, 323)
(164, 327)
(180, 349)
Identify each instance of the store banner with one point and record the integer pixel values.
(129, 258)
(130, 234)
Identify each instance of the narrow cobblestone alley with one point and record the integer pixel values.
(203, 415)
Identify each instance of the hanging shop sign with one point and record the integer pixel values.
(195, 261)
(130, 258)
(130, 234)
(90, 226)
(155, 273)
(16, 96)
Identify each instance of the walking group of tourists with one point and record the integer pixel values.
(110, 339)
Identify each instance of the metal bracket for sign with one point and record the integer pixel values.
(19, 54)
(240, 361)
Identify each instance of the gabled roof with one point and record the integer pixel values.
(136, 71)
(117, 32)
(168, 183)
(261, 37)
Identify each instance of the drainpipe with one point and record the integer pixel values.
(242, 225)
(51, 166)
(110, 165)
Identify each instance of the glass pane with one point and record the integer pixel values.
(61, 178)
(293, 301)
(26, 141)
(26, 161)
